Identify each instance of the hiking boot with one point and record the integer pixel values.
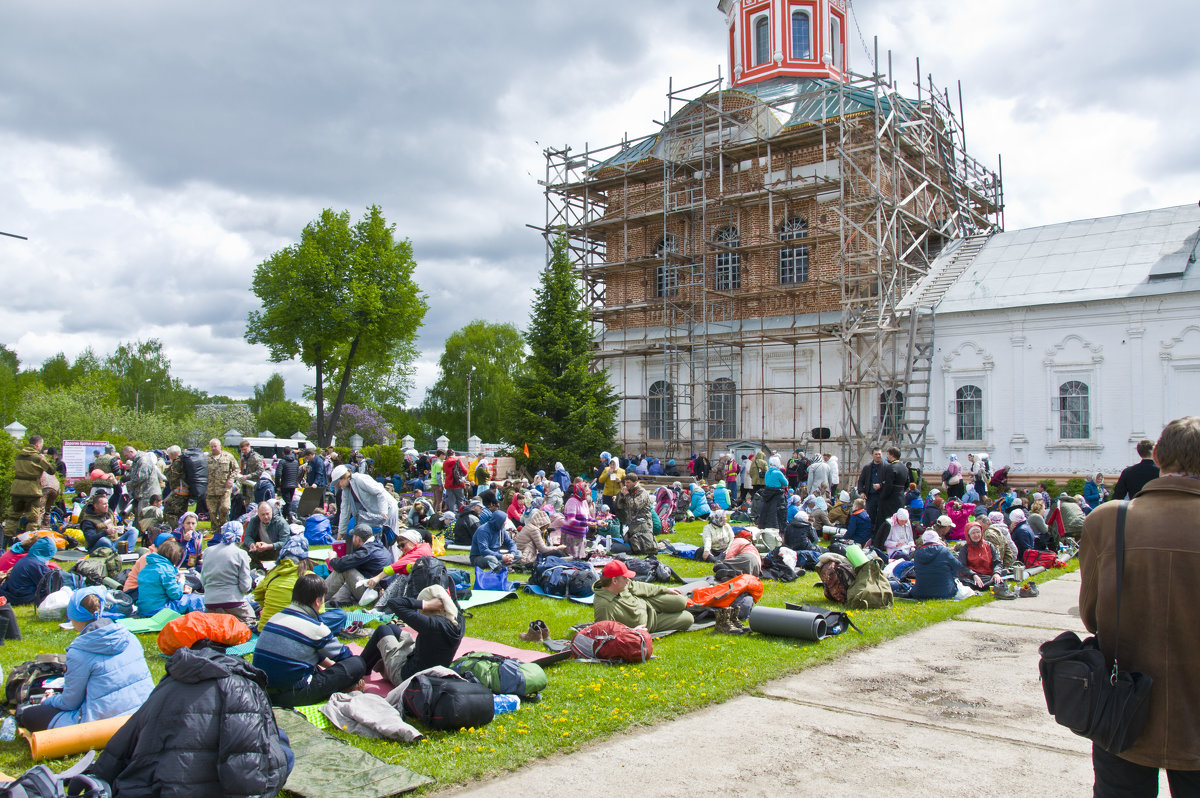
(1003, 591)
(1028, 590)
(723, 625)
(535, 632)
(355, 631)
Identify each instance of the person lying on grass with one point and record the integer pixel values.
(656, 607)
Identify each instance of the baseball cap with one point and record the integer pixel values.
(617, 568)
(944, 520)
(337, 474)
(410, 536)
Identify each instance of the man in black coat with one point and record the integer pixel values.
(225, 743)
(893, 480)
(1134, 478)
(287, 479)
(870, 482)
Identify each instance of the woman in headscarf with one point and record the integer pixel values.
(715, 537)
(227, 577)
(900, 535)
(979, 559)
(106, 670)
(531, 541)
(773, 493)
(698, 503)
(578, 514)
(1022, 534)
(664, 508)
(555, 496)
(954, 479)
(740, 558)
(517, 509)
(795, 502)
(562, 478)
(21, 585)
(189, 538)
(159, 583)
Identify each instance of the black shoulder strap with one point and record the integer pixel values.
(1122, 510)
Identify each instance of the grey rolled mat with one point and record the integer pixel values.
(787, 623)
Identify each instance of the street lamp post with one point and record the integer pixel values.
(469, 374)
(137, 396)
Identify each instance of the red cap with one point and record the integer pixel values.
(617, 568)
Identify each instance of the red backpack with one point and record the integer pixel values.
(612, 641)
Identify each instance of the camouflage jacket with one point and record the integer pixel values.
(221, 469)
(28, 468)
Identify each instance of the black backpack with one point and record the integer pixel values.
(26, 679)
(423, 573)
(53, 581)
(42, 782)
(195, 472)
(448, 702)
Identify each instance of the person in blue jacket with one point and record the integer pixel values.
(936, 569)
(489, 541)
(158, 583)
(699, 503)
(563, 477)
(858, 526)
(22, 581)
(106, 670)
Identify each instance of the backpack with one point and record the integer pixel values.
(561, 577)
(462, 584)
(871, 590)
(54, 580)
(25, 680)
(836, 576)
(503, 675)
(317, 530)
(101, 564)
(195, 472)
(42, 782)
(182, 632)
(724, 594)
(612, 641)
(448, 702)
(1033, 558)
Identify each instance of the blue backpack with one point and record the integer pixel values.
(561, 577)
(318, 530)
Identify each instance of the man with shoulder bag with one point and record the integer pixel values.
(1157, 625)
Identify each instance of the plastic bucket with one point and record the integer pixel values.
(339, 548)
(855, 555)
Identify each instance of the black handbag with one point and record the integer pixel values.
(1086, 692)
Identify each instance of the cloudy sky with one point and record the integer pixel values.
(154, 153)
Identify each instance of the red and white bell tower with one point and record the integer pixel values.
(786, 38)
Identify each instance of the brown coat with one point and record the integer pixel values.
(1159, 629)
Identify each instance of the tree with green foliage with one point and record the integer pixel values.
(271, 391)
(273, 411)
(341, 299)
(493, 354)
(563, 410)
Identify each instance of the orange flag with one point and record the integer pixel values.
(527, 451)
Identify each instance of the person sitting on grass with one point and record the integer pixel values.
(190, 538)
(531, 540)
(347, 582)
(655, 607)
(936, 569)
(839, 514)
(100, 528)
(858, 528)
(491, 547)
(274, 591)
(740, 558)
(1022, 534)
(21, 585)
(266, 533)
(979, 560)
(303, 660)
(226, 576)
(439, 625)
(131, 581)
(698, 503)
(106, 670)
(715, 537)
(900, 535)
(159, 583)
(412, 548)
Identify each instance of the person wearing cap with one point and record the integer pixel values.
(839, 514)
(671, 470)
(1022, 533)
(715, 537)
(980, 562)
(491, 546)
(412, 548)
(439, 625)
(942, 527)
(106, 670)
(740, 558)
(531, 540)
(364, 500)
(936, 569)
(226, 575)
(656, 607)
(348, 575)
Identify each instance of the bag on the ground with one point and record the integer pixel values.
(317, 530)
(870, 590)
(560, 577)
(1033, 558)
(25, 680)
(101, 564)
(54, 606)
(836, 576)
(462, 583)
(448, 702)
(836, 621)
(220, 628)
(42, 782)
(612, 641)
(724, 594)
(502, 675)
(493, 580)
(54, 580)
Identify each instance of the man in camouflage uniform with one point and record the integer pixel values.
(636, 504)
(106, 462)
(222, 474)
(252, 466)
(143, 478)
(177, 502)
(25, 498)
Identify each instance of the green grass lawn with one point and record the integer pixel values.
(585, 702)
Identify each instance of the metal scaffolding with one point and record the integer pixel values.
(660, 230)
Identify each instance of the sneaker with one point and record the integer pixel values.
(355, 631)
(1028, 590)
(369, 597)
(1003, 591)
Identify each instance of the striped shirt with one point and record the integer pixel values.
(291, 646)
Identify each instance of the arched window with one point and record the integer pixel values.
(793, 260)
(1074, 417)
(666, 278)
(968, 413)
(660, 411)
(722, 409)
(762, 40)
(728, 263)
(891, 410)
(835, 40)
(801, 35)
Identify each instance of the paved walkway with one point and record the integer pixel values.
(954, 709)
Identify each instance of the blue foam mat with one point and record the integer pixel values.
(537, 591)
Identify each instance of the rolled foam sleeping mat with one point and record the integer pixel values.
(787, 623)
(68, 740)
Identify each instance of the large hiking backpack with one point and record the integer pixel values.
(42, 782)
(725, 593)
(836, 576)
(26, 680)
(101, 564)
(448, 702)
(195, 472)
(423, 573)
(870, 590)
(561, 577)
(317, 530)
(503, 675)
(612, 641)
(53, 581)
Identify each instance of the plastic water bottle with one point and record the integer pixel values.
(506, 703)
(8, 729)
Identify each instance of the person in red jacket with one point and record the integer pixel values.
(454, 473)
(412, 548)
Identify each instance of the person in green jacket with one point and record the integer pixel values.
(26, 502)
(274, 592)
(619, 598)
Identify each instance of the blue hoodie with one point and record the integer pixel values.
(22, 581)
(937, 571)
(106, 676)
(158, 585)
(490, 538)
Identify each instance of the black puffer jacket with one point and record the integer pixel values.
(207, 729)
(287, 473)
